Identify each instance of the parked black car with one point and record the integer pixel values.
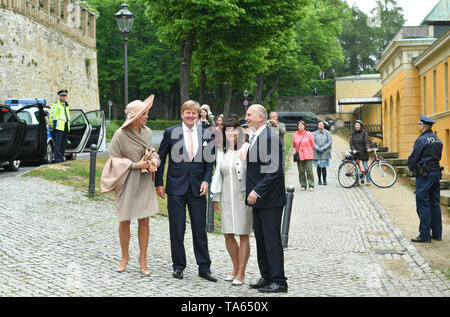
(291, 119)
(12, 136)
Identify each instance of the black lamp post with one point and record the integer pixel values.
(124, 19)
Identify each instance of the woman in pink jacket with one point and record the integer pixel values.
(303, 143)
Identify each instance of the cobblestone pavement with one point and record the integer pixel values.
(72, 249)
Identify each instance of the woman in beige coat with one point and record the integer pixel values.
(129, 174)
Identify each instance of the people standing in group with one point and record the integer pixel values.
(188, 177)
(281, 128)
(424, 162)
(128, 173)
(303, 144)
(60, 123)
(266, 194)
(322, 152)
(359, 144)
(228, 189)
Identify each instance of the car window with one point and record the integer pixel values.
(6, 116)
(25, 116)
(310, 118)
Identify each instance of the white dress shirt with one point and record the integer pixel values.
(186, 137)
(256, 134)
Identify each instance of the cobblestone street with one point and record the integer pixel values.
(337, 244)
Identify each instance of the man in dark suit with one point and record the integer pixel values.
(267, 195)
(188, 177)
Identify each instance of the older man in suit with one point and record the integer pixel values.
(188, 177)
(266, 194)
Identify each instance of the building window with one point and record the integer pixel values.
(434, 91)
(348, 125)
(424, 93)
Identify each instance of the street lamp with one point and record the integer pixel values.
(245, 101)
(124, 19)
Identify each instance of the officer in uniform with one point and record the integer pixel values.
(424, 162)
(60, 123)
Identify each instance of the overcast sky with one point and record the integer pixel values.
(414, 10)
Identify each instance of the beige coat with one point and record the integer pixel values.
(134, 190)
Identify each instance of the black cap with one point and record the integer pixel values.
(62, 92)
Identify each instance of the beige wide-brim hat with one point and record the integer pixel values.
(137, 108)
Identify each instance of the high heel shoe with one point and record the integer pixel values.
(230, 278)
(144, 272)
(122, 269)
(237, 282)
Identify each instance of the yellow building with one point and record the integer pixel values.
(354, 87)
(415, 81)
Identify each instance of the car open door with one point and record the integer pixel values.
(80, 131)
(34, 148)
(12, 134)
(98, 134)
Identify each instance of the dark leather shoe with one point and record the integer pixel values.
(420, 240)
(207, 276)
(325, 183)
(274, 288)
(260, 284)
(436, 238)
(178, 274)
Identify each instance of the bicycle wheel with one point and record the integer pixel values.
(347, 174)
(383, 174)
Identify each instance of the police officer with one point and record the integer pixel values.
(60, 123)
(424, 162)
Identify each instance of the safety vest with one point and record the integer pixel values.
(58, 115)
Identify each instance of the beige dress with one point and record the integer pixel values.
(134, 190)
(237, 218)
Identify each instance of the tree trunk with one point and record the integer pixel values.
(272, 89)
(186, 50)
(201, 97)
(258, 89)
(227, 104)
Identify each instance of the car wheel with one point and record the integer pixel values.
(50, 157)
(13, 166)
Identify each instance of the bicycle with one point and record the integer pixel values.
(381, 172)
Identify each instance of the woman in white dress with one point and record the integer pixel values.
(228, 188)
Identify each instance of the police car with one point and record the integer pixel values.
(86, 129)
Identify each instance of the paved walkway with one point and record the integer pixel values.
(49, 249)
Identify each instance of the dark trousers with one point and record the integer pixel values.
(176, 206)
(269, 249)
(427, 203)
(60, 144)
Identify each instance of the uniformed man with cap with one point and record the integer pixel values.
(424, 162)
(60, 123)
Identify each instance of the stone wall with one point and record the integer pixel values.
(317, 105)
(44, 49)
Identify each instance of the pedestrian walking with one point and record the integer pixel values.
(188, 177)
(359, 144)
(424, 162)
(128, 173)
(266, 194)
(228, 188)
(303, 144)
(322, 152)
(60, 124)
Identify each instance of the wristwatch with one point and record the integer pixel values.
(132, 166)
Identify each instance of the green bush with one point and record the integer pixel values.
(152, 124)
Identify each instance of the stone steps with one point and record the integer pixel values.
(389, 155)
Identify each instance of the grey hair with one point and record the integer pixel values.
(262, 110)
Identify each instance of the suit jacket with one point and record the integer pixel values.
(181, 172)
(265, 173)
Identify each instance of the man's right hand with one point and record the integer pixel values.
(161, 192)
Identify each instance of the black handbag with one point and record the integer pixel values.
(296, 154)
